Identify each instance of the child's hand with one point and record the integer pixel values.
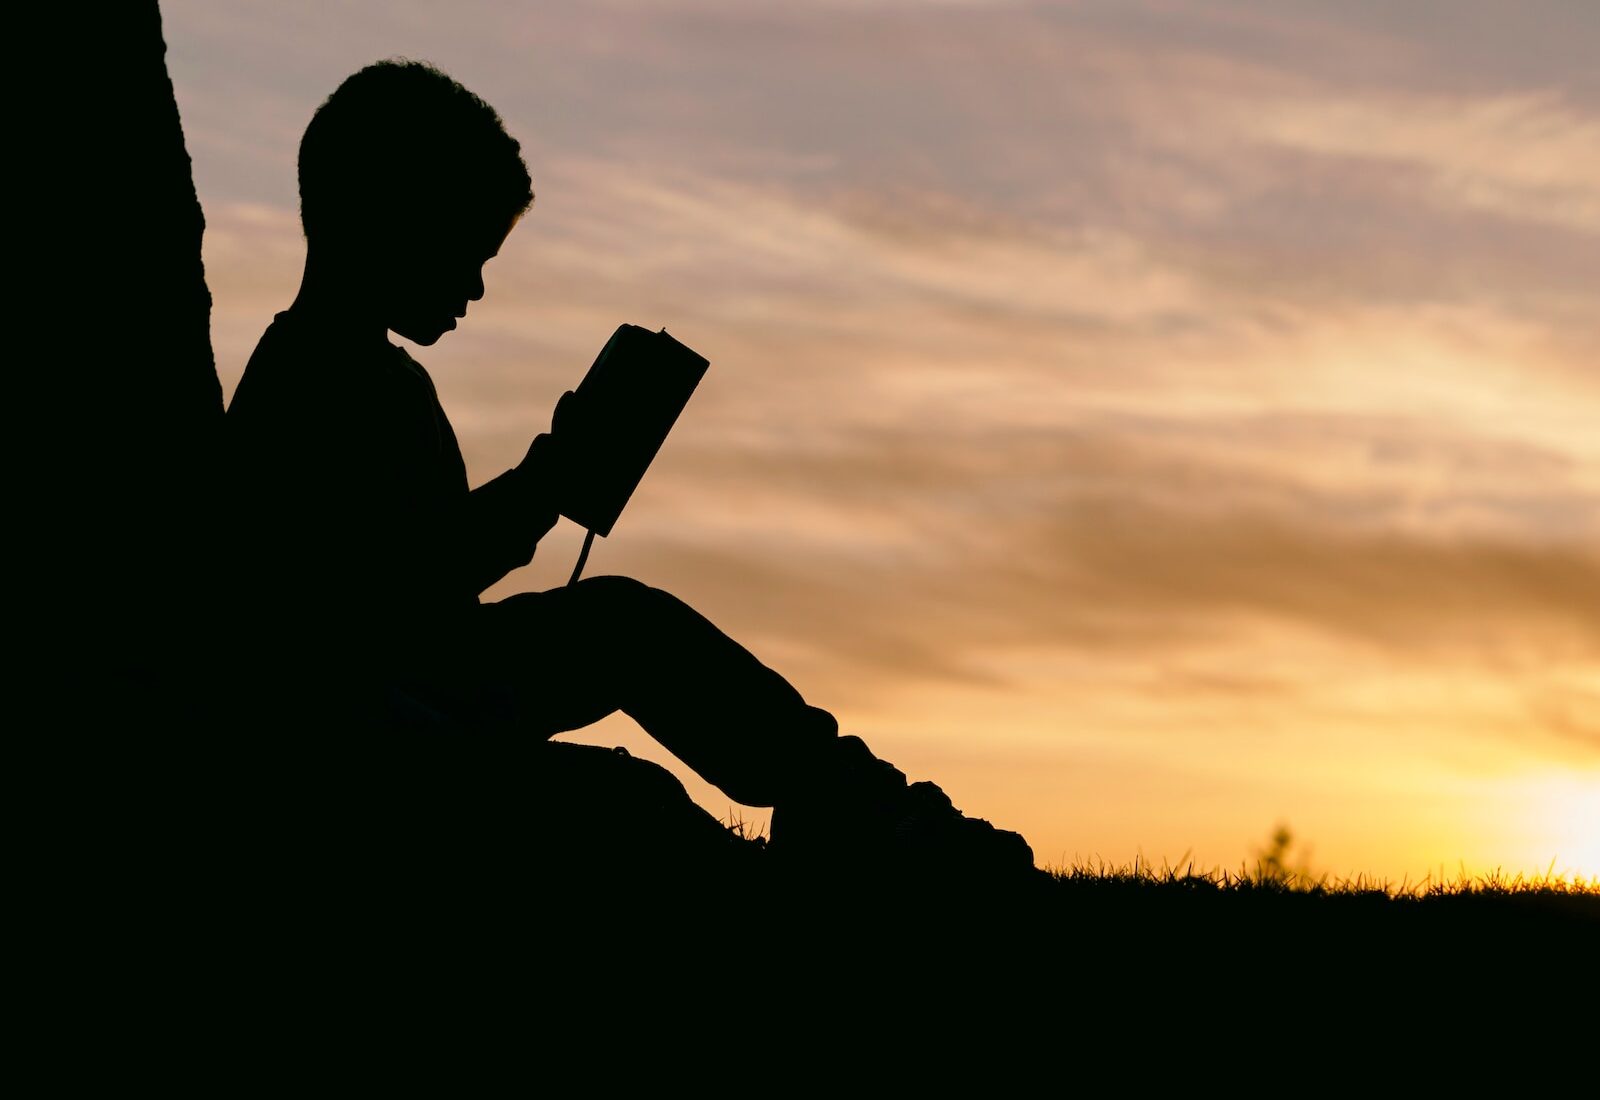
(548, 464)
(542, 477)
(550, 456)
(566, 420)
(547, 456)
(543, 464)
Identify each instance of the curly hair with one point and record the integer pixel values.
(399, 136)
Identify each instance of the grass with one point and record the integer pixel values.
(1273, 912)
(1278, 870)
(1272, 878)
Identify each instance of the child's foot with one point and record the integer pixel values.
(864, 817)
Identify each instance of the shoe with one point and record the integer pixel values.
(864, 818)
(932, 832)
(853, 796)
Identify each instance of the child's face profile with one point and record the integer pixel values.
(427, 278)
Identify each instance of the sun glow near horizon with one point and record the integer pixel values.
(1567, 808)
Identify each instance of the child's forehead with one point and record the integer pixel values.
(489, 231)
(478, 232)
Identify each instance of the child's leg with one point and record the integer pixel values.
(570, 656)
(574, 655)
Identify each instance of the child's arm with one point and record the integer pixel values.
(508, 516)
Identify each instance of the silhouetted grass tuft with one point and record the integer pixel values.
(1266, 877)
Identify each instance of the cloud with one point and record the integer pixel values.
(1571, 708)
(1529, 156)
(896, 563)
(904, 395)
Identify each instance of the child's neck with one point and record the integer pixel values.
(329, 296)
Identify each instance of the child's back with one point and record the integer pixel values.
(357, 543)
(347, 479)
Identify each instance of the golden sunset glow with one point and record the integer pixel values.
(1153, 421)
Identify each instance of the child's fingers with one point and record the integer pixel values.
(563, 414)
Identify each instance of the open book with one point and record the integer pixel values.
(628, 403)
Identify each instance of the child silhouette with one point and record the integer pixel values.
(362, 552)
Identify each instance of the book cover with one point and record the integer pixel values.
(628, 402)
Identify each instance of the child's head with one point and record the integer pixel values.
(409, 183)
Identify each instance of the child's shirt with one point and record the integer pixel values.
(350, 509)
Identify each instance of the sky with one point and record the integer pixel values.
(1153, 421)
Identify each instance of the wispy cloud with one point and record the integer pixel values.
(1529, 156)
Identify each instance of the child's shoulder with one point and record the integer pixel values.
(323, 398)
(318, 368)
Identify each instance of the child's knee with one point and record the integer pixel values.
(619, 595)
(639, 618)
(610, 587)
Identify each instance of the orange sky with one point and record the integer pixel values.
(1153, 421)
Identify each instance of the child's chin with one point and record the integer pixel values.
(425, 337)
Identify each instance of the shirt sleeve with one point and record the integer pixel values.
(503, 521)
